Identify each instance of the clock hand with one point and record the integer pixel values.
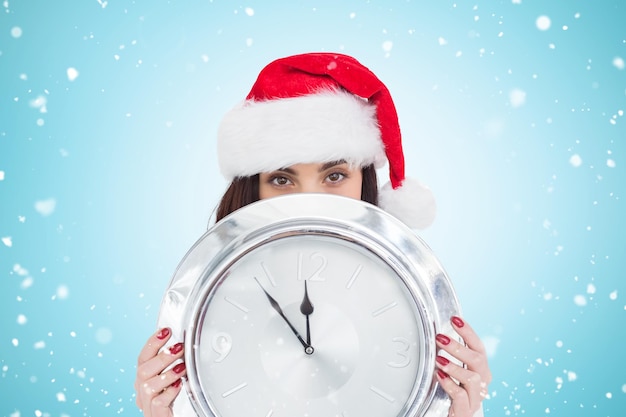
(308, 349)
(306, 308)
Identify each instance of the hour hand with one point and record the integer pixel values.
(307, 347)
(306, 308)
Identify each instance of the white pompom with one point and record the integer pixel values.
(413, 203)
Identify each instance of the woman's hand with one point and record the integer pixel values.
(471, 389)
(155, 386)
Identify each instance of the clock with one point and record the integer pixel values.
(310, 305)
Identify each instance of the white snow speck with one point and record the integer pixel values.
(442, 41)
(591, 289)
(575, 160)
(16, 32)
(39, 345)
(618, 63)
(613, 295)
(571, 376)
(387, 45)
(45, 207)
(491, 345)
(1, 175)
(543, 22)
(21, 319)
(60, 397)
(104, 335)
(516, 1)
(610, 163)
(249, 42)
(72, 73)
(7, 241)
(517, 97)
(39, 103)
(559, 343)
(15, 342)
(249, 11)
(624, 388)
(580, 300)
(62, 292)
(609, 395)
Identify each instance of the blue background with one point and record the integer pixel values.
(108, 175)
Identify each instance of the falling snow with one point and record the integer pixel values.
(513, 113)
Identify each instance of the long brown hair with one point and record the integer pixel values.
(245, 190)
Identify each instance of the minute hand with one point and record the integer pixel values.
(276, 306)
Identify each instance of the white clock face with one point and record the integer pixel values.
(365, 334)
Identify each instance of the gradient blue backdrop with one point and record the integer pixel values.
(512, 112)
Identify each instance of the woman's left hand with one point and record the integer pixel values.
(466, 385)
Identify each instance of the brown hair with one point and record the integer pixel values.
(245, 190)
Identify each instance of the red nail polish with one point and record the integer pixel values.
(179, 368)
(163, 333)
(442, 361)
(442, 374)
(177, 348)
(176, 383)
(457, 321)
(443, 339)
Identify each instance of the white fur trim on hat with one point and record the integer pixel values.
(262, 136)
(412, 202)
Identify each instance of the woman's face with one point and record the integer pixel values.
(332, 177)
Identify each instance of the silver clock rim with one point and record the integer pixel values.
(311, 214)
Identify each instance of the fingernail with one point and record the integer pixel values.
(442, 361)
(442, 374)
(176, 383)
(176, 348)
(443, 339)
(163, 333)
(179, 368)
(457, 321)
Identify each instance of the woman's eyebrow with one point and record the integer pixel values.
(331, 164)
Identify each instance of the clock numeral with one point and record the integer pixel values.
(222, 343)
(320, 261)
(402, 352)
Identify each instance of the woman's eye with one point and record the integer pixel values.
(280, 181)
(335, 177)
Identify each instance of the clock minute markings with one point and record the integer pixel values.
(384, 308)
(270, 277)
(236, 304)
(382, 394)
(234, 389)
(354, 276)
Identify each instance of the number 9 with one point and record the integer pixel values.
(221, 344)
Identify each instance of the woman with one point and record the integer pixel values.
(318, 123)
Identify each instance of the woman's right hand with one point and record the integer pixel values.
(155, 386)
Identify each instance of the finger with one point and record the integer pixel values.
(152, 390)
(469, 381)
(157, 364)
(154, 344)
(460, 400)
(477, 360)
(160, 406)
(467, 333)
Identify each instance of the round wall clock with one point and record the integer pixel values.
(310, 305)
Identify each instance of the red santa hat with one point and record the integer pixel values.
(322, 107)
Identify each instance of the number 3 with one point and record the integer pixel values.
(402, 352)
